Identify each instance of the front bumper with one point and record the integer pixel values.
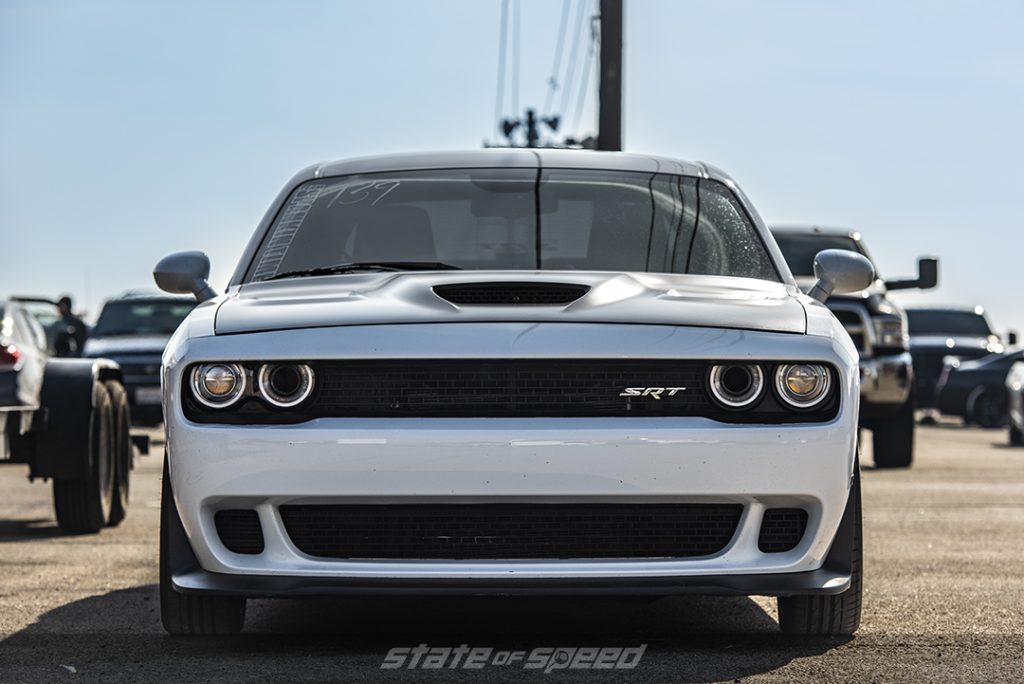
(885, 380)
(502, 460)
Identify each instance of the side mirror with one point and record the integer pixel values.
(839, 271)
(1011, 338)
(927, 276)
(185, 273)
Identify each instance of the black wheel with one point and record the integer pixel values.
(1016, 436)
(83, 505)
(987, 410)
(837, 614)
(190, 614)
(121, 440)
(892, 438)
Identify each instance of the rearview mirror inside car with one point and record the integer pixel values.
(839, 271)
(185, 273)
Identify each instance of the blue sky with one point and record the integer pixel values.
(129, 130)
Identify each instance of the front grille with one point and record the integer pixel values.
(510, 294)
(782, 529)
(511, 531)
(239, 530)
(854, 325)
(520, 388)
(511, 388)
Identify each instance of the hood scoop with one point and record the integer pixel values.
(510, 293)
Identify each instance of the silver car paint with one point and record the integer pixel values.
(628, 298)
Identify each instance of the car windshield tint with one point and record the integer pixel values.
(141, 318)
(931, 322)
(800, 250)
(516, 219)
(47, 314)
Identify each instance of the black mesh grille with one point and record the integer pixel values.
(782, 529)
(510, 294)
(511, 388)
(239, 530)
(521, 388)
(854, 325)
(511, 531)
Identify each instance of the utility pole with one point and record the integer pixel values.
(609, 116)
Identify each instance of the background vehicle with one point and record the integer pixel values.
(133, 330)
(975, 389)
(878, 327)
(68, 420)
(1015, 403)
(44, 310)
(937, 332)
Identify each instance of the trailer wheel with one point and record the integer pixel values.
(123, 453)
(83, 505)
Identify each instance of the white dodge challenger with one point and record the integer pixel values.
(511, 372)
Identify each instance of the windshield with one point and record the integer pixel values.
(800, 250)
(515, 219)
(46, 313)
(147, 317)
(944, 322)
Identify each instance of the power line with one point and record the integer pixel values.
(586, 77)
(557, 64)
(516, 11)
(499, 104)
(570, 71)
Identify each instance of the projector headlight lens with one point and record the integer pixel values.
(218, 385)
(736, 385)
(285, 384)
(802, 385)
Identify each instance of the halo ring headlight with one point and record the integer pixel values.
(285, 385)
(736, 385)
(802, 385)
(218, 385)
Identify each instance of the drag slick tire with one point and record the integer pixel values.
(892, 438)
(83, 506)
(836, 614)
(123, 451)
(190, 614)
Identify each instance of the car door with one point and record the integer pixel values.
(32, 343)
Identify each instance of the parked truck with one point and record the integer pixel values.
(878, 327)
(68, 420)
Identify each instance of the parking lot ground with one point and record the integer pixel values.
(944, 602)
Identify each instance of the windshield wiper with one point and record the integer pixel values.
(368, 266)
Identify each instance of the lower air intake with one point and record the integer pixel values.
(511, 531)
(239, 530)
(782, 529)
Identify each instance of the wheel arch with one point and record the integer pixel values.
(63, 423)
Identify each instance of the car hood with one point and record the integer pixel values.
(387, 298)
(125, 344)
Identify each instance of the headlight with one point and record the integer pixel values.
(218, 385)
(285, 384)
(802, 385)
(736, 385)
(890, 331)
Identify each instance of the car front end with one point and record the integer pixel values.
(415, 461)
(509, 372)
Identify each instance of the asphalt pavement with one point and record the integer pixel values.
(944, 602)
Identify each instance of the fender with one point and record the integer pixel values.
(62, 430)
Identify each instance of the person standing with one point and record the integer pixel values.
(71, 341)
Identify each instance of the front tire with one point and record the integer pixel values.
(987, 410)
(892, 438)
(1016, 436)
(836, 614)
(190, 614)
(83, 505)
(123, 452)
